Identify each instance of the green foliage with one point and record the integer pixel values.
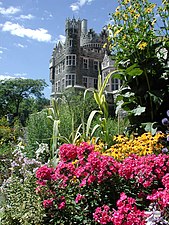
(100, 98)
(22, 206)
(143, 58)
(9, 135)
(14, 91)
(39, 130)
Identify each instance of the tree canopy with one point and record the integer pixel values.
(13, 92)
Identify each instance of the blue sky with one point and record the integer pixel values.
(29, 29)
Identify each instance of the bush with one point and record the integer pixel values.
(87, 187)
(21, 205)
(39, 130)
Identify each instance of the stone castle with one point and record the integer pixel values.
(76, 62)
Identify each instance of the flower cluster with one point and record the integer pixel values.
(82, 164)
(146, 170)
(141, 145)
(21, 165)
(127, 213)
(85, 175)
(103, 215)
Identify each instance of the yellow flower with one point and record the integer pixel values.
(75, 162)
(137, 16)
(141, 145)
(109, 27)
(125, 16)
(117, 12)
(153, 22)
(142, 45)
(118, 31)
(105, 45)
(132, 11)
(126, 1)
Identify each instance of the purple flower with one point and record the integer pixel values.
(165, 122)
(168, 113)
(164, 150)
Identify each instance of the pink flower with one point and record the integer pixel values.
(102, 215)
(79, 197)
(127, 212)
(48, 203)
(62, 203)
(44, 173)
(68, 152)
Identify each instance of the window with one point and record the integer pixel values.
(95, 83)
(57, 69)
(96, 65)
(63, 84)
(85, 63)
(70, 42)
(85, 81)
(52, 72)
(71, 60)
(70, 80)
(63, 65)
(57, 87)
(115, 84)
(90, 81)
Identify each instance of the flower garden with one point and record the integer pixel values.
(106, 170)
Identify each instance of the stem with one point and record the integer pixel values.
(151, 104)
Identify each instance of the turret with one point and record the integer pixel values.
(84, 26)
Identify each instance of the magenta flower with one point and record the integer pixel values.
(44, 173)
(79, 197)
(48, 203)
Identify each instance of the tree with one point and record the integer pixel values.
(13, 92)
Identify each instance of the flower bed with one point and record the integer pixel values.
(88, 187)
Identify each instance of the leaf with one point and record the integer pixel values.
(138, 111)
(106, 81)
(94, 129)
(157, 96)
(150, 127)
(134, 70)
(99, 81)
(89, 121)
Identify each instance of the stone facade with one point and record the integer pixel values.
(76, 62)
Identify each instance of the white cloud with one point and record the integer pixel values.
(26, 17)
(1, 51)
(20, 45)
(77, 5)
(17, 75)
(9, 11)
(3, 77)
(62, 38)
(20, 75)
(39, 34)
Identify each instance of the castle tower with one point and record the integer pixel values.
(75, 63)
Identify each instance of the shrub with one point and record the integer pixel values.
(39, 130)
(21, 205)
